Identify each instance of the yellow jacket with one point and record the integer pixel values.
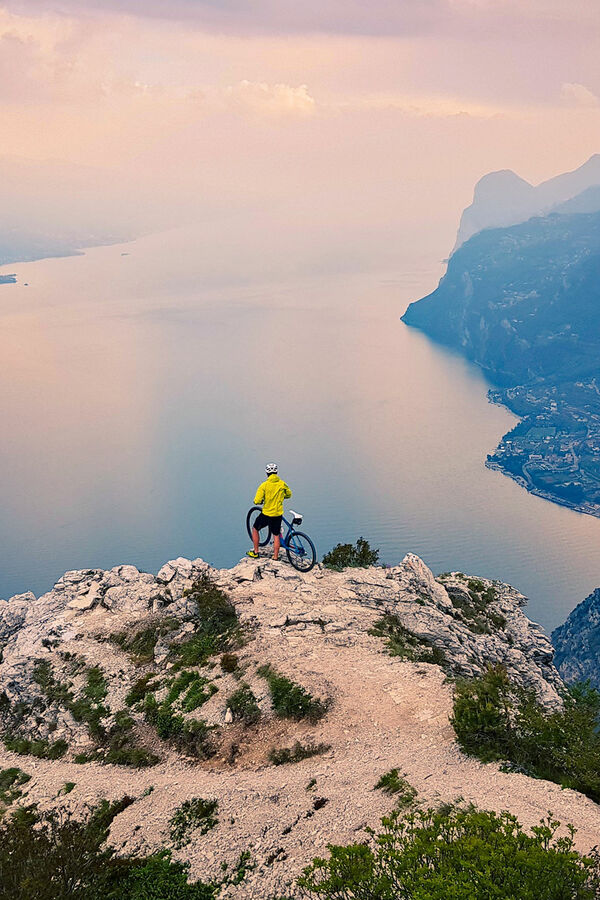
(272, 493)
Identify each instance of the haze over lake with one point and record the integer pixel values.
(140, 401)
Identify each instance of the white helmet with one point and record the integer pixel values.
(271, 468)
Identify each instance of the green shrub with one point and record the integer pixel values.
(55, 691)
(476, 585)
(229, 662)
(11, 780)
(140, 688)
(195, 650)
(120, 747)
(216, 612)
(393, 783)
(496, 720)
(454, 854)
(195, 814)
(158, 877)
(291, 700)
(198, 693)
(140, 642)
(95, 685)
(216, 625)
(83, 710)
(88, 707)
(179, 684)
(42, 749)
(89, 756)
(474, 611)
(191, 737)
(297, 753)
(198, 690)
(51, 855)
(115, 745)
(243, 705)
(343, 556)
(403, 643)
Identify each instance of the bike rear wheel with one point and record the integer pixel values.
(300, 551)
(263, 536)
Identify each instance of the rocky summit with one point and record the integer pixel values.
(279, 698)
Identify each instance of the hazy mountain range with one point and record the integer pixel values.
(523, 301)
(52, 208)
(503, 198)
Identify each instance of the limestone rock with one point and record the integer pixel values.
(578, 642)
(87, 599)
(13, 613)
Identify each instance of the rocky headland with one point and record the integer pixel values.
(522, 302)
(114, 683)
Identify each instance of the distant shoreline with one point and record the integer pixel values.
(59, 253)
(537, 492)
(494, 397)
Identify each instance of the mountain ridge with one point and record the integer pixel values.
(503, 198)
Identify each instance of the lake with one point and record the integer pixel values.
(140, 400)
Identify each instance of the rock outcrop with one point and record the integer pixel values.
(117, 666)
(577, 642)
(472, 622)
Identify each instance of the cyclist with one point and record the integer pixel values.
(271, 493)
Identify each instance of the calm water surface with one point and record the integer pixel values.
(139, 404)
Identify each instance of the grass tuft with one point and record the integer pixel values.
(291, 700)
(298, 752)
(195, 814)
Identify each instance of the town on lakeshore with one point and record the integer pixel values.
(554, 451)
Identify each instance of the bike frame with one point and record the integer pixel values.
(284, 537)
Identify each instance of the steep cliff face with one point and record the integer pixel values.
(114, 682)
(577, 642)
(523, 302)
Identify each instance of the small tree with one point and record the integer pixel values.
(343, 556)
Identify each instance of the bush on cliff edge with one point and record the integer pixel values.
(343, 556)
(497, 720)
(455, 854)
(51, 855)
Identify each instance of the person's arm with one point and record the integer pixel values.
(287, 491)
(260, 495)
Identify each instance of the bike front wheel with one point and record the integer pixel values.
(301, 551)
(263, 537)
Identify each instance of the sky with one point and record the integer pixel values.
(325, 135)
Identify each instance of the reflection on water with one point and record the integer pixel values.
(139, 406)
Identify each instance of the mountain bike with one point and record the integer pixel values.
(298, 546)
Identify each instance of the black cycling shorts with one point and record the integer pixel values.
(273, 522)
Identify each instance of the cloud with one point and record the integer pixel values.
(575, 94)
(430, 106)
(270, 99)
(275, 16)
(378, 17)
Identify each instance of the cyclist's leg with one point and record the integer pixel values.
(255, 539)
(276, 532)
